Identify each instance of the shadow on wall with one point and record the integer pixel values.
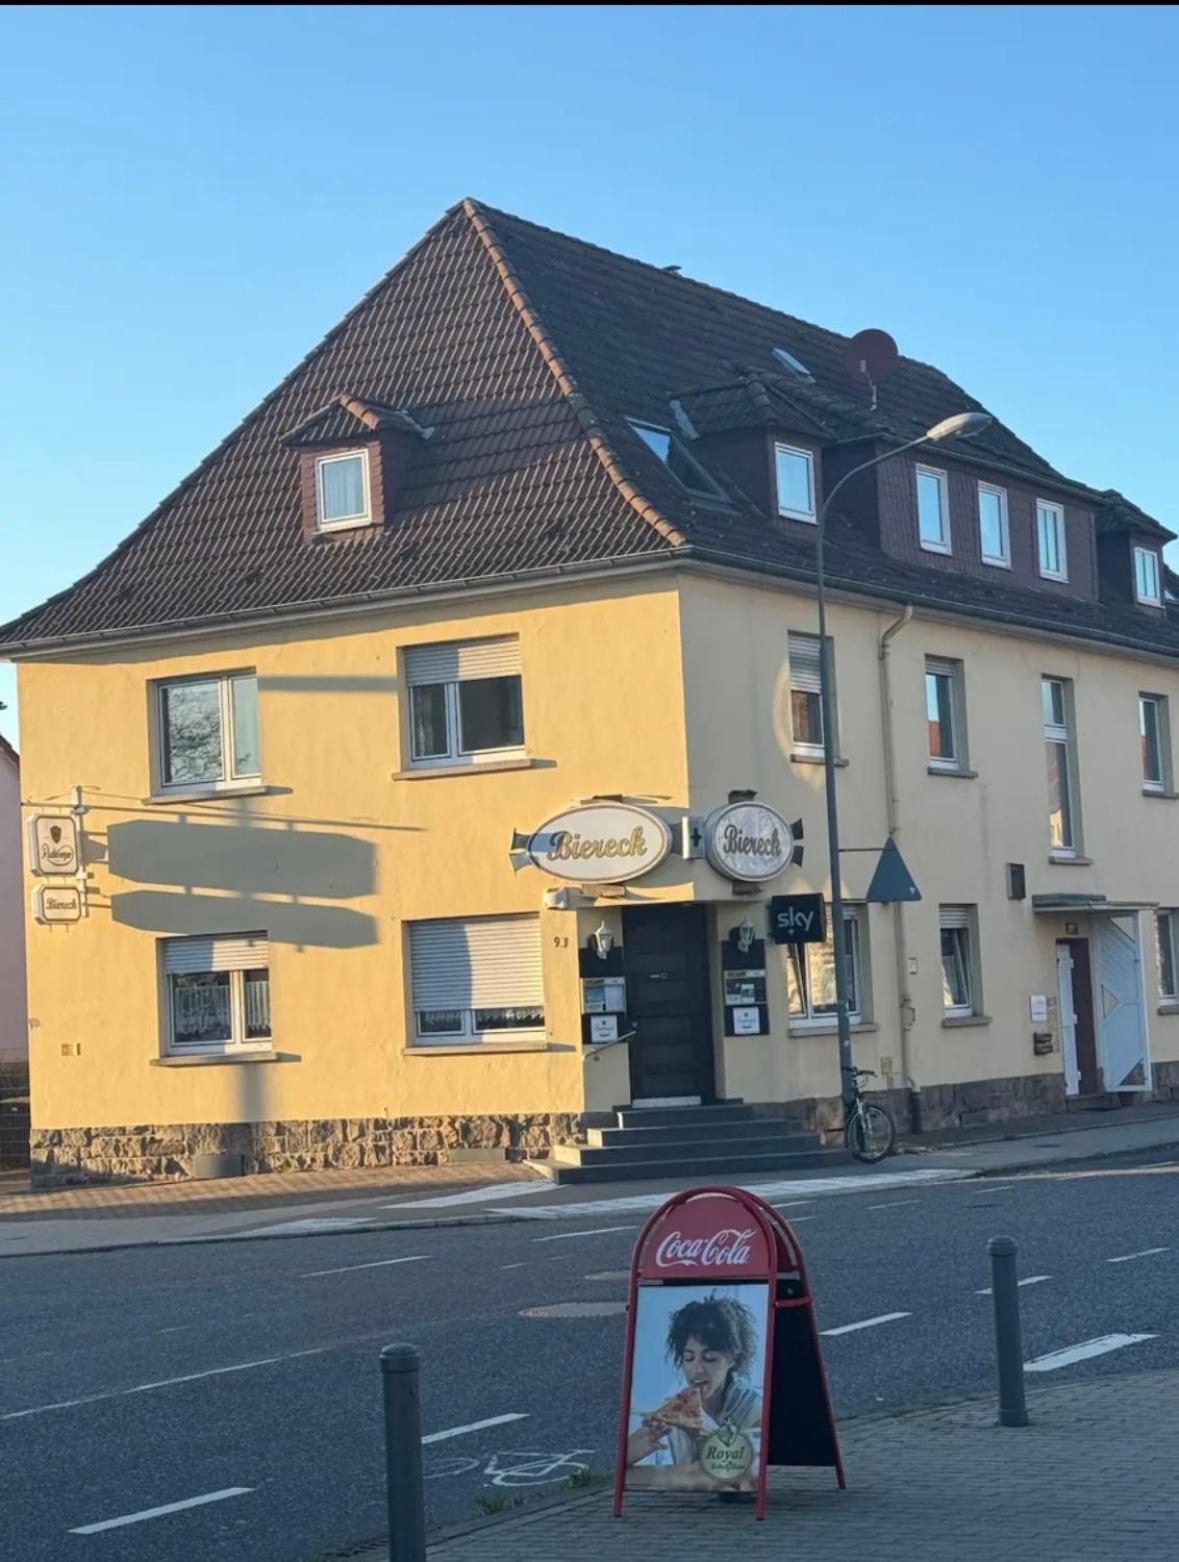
(250, 863)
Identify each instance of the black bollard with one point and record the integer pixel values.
(400, 1365)
(1013, 1409)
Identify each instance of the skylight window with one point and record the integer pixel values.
(792, 363)
(664, 444)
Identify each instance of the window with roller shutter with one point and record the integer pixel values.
(476, 980)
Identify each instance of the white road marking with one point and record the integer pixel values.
(770, 1191)
(1083, 1351)
(866, 1323)
(147, 1388)
(598, 1231)
(1147, 1252)
(794, 1204)
(169, 1507)
(896, 1204)
(379, 1263)
(475, 1426)
(1031, 1280)
(491, 1190)
(511, 1266)
(309, 1227)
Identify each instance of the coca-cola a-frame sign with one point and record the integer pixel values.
(723, 1373)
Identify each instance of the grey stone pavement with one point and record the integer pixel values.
(1092, 1479)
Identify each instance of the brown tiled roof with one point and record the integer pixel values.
(353, 417)
(525, 352)
(1115, 513)
(8, 751)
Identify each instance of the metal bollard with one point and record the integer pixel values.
(400, 1365)
(1008, 1343)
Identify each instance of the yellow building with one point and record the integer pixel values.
(438, 757)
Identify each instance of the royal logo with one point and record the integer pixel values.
(729, 1249)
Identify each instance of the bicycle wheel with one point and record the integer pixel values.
(871, 1133)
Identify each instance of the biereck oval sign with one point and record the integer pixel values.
(748, 841)
(600, 843)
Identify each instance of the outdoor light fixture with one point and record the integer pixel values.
(962, 425)
(603, 941)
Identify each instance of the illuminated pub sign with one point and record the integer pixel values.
(750, 842)
(723, 1374)
(598, 843)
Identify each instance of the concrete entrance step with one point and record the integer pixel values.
(666, 1133)
(1100, 1101)
(675, 1146)
(683, 1116)
(720, 1168)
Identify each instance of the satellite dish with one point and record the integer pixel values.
(869, 358)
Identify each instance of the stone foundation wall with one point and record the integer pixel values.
(942, 1106)
(153, 1152)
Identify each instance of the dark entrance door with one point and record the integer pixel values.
(665, 956)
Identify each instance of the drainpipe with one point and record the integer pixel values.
(891, 807)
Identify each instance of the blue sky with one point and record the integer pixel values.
(192, 196)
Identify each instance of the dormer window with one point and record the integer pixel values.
(342, 490)
(663, 443)
(1146, 577)
(795, 470)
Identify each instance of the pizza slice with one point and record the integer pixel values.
(684, 1410)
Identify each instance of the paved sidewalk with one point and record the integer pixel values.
(1092, 1479)
(301, 1203)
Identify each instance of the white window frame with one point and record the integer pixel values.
(810, 515)
(344, 522)
(1057, 512)
(951, 918)
(945, 542)
(1163, 782)
(455, 754)
(466, 1033)
(238, 1042)
(1065, 736)
(946, 667)
(1142, 555)
(230, 779)
(1165, 930)
(858, 950)
(996, 560)
(798, 748)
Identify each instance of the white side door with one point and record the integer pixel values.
(1123, 1051)
(1068, 1019)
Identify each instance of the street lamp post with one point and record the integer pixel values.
(963, 424)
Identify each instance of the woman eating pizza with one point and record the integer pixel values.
(713, 1343)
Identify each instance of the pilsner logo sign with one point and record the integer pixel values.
(53, 844)
(748, 842)
(600, 843)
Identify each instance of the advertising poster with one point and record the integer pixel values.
(696, 1392)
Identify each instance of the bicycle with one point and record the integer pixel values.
(869, 1131)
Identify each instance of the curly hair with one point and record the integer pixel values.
(719, 1323)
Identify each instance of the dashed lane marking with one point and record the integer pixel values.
(866, 1323)
(377, 1263)
(575, 1310)
(475, 1426)
(1147, 1252)
(1031, 1280)
(168, 1507)
(598, 1231)
(1082, 1352)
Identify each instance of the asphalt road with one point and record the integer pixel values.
(138, 1379)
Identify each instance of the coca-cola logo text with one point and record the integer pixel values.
(728, 1249)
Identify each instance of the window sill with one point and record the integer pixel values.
(995, 563)
(1169, 1006)
(210, 1059)
(950, 770)
(205, 794)
(473, 1049)
(798, 758)
(828, 1028)
(963, 1021)
(1160, 792)
(1059, 861)
(426, 772)
(330, 528)
(936, 547)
